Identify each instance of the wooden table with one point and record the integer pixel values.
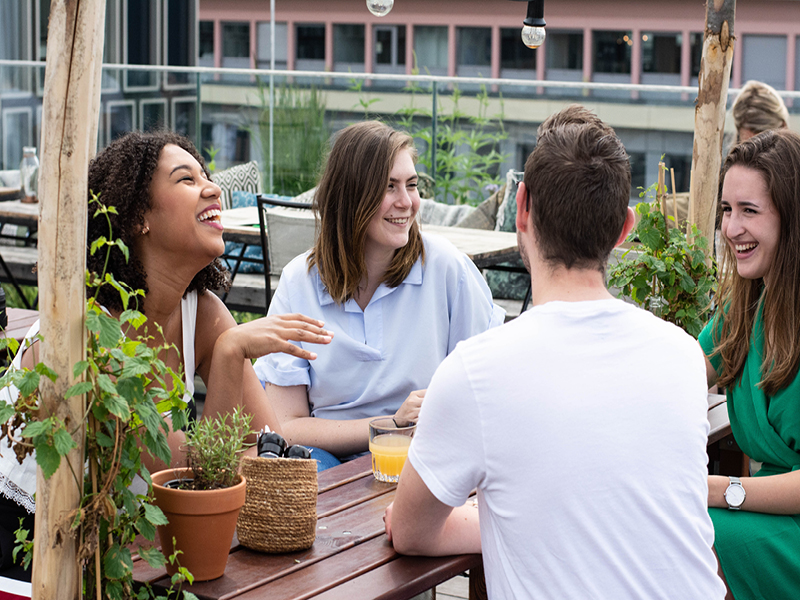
(19, 321)
(17, 212)
(484, 247)
(351, 558)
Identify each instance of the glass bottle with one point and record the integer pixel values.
(29, 174)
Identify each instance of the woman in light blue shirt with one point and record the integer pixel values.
(397, 301)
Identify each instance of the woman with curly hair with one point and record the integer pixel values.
(753, 350)
(167, 211)
(398, 300)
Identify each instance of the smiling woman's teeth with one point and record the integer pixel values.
(745, 247)
(402, 221)
(210, 214)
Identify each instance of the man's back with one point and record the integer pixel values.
(583, 426)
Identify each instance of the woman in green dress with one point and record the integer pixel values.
(753, 350)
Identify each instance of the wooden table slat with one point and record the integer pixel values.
(350, 494)
(326, 574)
(248, 569)
(411, 574)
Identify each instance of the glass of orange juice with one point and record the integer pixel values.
(389, 444)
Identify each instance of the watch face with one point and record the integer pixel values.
(734, 495)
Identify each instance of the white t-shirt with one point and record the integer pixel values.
(381, 354)
(583, 426)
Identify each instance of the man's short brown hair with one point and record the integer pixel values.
(579, 180)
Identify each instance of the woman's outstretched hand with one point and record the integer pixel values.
(408, 412)
(275, 334)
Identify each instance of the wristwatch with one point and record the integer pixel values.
(735, 495)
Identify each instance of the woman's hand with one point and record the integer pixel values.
(275, 334)
(408, 412)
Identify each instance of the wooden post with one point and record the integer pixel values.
(709, 115)
(69, 139)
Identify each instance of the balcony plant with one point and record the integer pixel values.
(665, 271)
(202, 502)
(128, 388)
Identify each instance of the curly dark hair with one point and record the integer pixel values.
(121, 175)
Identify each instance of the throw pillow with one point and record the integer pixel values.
(246, 177)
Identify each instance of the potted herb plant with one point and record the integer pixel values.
(666, 272)
(202, 502)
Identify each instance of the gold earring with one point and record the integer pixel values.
(146, 230)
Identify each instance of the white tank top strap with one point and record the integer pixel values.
(189, 323)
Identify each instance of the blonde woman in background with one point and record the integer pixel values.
(757, 108)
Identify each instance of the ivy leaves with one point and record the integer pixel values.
(666, 273)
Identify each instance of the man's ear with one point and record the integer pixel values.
(523, 208)
(630, 221)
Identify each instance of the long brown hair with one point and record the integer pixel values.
(349, 195)
(775, 155)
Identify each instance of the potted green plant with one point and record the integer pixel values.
(665, 271)
(202, 502)
(128, 388)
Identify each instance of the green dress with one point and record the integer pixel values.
(760, 553)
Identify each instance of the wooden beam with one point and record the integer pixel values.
(69, 139)
(709, 116)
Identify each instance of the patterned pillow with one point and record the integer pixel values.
(246, 177)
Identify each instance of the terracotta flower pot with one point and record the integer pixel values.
(202, 523)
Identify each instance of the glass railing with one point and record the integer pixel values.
(283, 120)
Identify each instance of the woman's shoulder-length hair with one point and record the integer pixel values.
(349, 195)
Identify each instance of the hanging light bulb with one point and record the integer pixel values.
(533, 33)
(533, 37)
(380, 8)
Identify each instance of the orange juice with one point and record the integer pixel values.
(389, 452)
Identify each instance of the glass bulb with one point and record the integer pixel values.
(380, 8)
(533, 37)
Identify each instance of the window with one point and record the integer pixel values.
(142, 45)
(180, 39)
(348, 44)
(564, 51)
(764, 59)
(311, 42)
(696, 50)
(474, 47)
(390, 45)
(612, 51)
(235, 41)
(513, 53)
(638, 170)
(430, 47)
(205, 56)
(264, 47)
(683, 169)
(661, 53)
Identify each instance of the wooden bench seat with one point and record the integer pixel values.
(21, 263)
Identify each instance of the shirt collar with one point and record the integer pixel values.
(414, 277)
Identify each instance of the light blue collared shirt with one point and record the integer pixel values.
(381, 354)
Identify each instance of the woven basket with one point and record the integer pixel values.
(280, 511)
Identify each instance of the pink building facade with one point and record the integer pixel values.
(658, 42)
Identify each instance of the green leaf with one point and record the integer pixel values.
(154, 514)
(114, 589)
(104, 440)
(79, 368)
(37, 428)
(6, 412)
(107, 328)
(117, 562)
(153, 556)
(47, 457)
(82, 387)
(117, 405)
(147, 529)
(187, 595)
(130, 388)
(46, 371)
(97, 244)
(27, 382)
(63, 441)
(134, 317)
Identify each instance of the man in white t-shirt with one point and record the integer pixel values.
(582, 423)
